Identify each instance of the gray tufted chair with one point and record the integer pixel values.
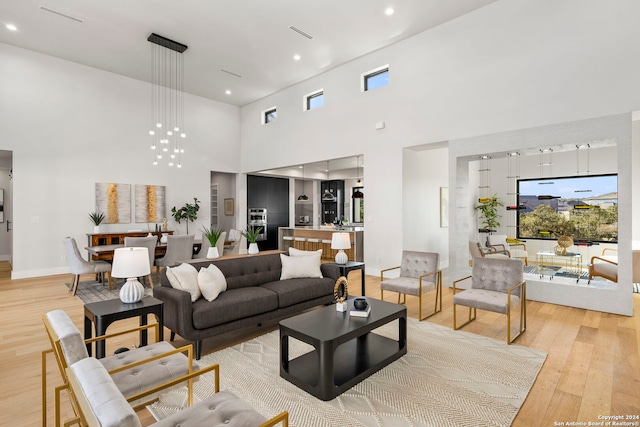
(419, 274)
(145, 242)
(133, 371)
(496, 285)
(102, 404)
(80, 266)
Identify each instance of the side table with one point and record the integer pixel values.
(104, 313)
(350, 266)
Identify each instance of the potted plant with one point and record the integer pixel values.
(96, 218)
(488, 208)
(212, 235)
(188, 212)
(251, 233)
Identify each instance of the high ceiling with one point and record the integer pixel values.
(242, 46)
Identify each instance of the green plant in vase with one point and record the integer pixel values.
(488, 208)
(188, 212)
(96, 218)
(252, 233)
(213, 235)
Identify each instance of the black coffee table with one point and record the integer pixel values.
(345, 350)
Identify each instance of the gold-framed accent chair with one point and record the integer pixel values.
(605, 265)
(516, 250)
(133, 371)
(478, 251)
(99, 403)
(419, 274)
(496, 285)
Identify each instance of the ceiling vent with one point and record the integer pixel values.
(55, 12)
(229, 72)
(302, 33)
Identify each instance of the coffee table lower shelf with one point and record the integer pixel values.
(352, 362)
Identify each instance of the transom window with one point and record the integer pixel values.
(314, 100)
(375, 78)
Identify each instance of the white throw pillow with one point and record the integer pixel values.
(185, 278)
(297, 252)
(294, 267)
(211, 282)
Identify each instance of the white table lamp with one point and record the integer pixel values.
(131, 263)
(341, 241)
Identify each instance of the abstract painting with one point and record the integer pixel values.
(150, 203)
(114, 200)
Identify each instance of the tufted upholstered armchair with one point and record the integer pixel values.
(99, 403)
(419, 274)
(133, 371)
(496, 285)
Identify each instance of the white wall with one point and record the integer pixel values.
(513, 64)
(70, 126)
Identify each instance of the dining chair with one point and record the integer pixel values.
(179, 249)
(150, 242)
(79, 265)
(204, 247)
(239, 242)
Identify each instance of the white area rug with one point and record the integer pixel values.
(447, 378)
(93, 291)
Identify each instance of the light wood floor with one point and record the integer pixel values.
(593, 367)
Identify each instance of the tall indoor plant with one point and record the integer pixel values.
(188, 212)
(251, 233)
(212, 235)
(488, 208)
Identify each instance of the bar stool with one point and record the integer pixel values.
(326, 249)
(313, 244)
(287, 242)
(300, 243)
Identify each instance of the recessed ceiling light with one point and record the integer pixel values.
(228, 92)
(296, 57)
(12, 27)
(389, 11)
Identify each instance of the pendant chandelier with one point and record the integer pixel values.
(358, 194)
(167, 114)
(303, 197)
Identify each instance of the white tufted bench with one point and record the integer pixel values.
(133, 371)
(100, 403)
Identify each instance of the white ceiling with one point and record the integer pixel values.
(250, 38)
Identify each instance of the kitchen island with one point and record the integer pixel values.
(314, 238)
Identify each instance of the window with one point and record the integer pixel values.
(269, 115)
(314, 100)
(375, 78)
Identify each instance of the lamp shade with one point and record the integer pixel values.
(340, 241)
(130, 262)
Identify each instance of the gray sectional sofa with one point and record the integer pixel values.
(254, 294)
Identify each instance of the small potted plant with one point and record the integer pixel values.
(488, 208)
(188, 211)
(212, 235)
(251, 233)
(96, 218)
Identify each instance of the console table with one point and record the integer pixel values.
(103, 239)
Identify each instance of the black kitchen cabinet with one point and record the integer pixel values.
(272, 194)
(332, 200)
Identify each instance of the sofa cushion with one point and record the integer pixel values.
(185, 278)
(299, 252)
(233, 304)
(211, 282)
(294, 267)
(294, 291)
